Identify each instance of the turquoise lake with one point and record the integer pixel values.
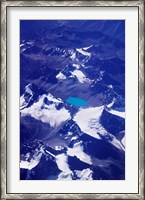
(76, 101)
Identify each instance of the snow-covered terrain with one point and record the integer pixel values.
(72, 100)
(77, 151)
(47, 113)
(88, 121)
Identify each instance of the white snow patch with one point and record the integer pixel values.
(58, 147)
(33, 162)
(85, 174)
(88, 121)
(50, 153)
(30, 43)
(123, 141)
(52, 98)
(22, 45)
(85, 53)
(73, 56)
(117, 144)
(110, 86)
(85, 48)
(70, 133)
(42, 149)
(65, 176)
(76, 65)
(118, 113)
(61, 161)
(62, 164)
(70, 51)
(100, 75)
(61, 76)
(23, 102)
(77, 151)
(47, 114)
(74, 138)
(28, 90)
(23, 49)
(111, 104)
(80, 76)
(115, 112)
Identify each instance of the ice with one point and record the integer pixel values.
(65, 176)
(74, 138)
(123, 141)
(76, 65)
(88, 121)
(23, 102)
(24, 164)
(47, 114)
(61, 76)
(52, 98)
(85, 48)
(80, 76)
(77, 151)
(85, 53)
(85, 174)
(22, 45)
(28, 89)
(115, 112)
(62, 164)
(73, 56)
(117, 144)
(58, 147)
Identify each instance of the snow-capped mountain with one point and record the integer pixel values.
(72, 103)
(65, 133)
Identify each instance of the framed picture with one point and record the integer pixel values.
(72, 100)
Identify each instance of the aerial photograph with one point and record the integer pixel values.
(72, 100)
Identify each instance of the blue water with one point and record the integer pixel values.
(76, 101)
